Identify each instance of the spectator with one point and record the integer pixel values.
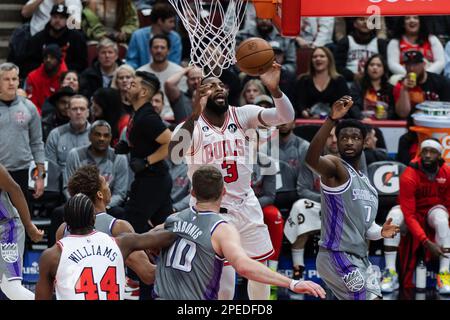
(113, 167)
(55, 110)
(70, 79)
(423, 210)
(252, 89)
(44, 81)
(121, 81)
(39, 11)
(72, 42)
(408, 144)
(181, 186)
(100, 74)
(427, 86)
(315, 32)
(163, 68)
(265, 29)
(115, 19)
(180, 101)
(20, 133)
(70, 135)
(373, 94)
(412, 35)
(353, 50)
(447, 60)
(372, 153)
(163, 20)
(106, 105)
(318, 89)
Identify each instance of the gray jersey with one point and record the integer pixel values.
(103, 222)
(190, 269)
(347, 213)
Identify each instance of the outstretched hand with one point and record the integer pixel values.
(341, 107)
(310, 288)
(271, 78)
(389, 230)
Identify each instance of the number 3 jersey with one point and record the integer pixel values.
(190, 269)
(91, 267)
(227, 148)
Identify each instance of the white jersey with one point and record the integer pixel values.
(228, 148)
(91, 267)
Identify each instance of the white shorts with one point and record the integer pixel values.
(303, 218)
(248, 219)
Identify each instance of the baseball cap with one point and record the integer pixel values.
(53, 50)
(413, 56)
(276, 46)
(60, 9)
(263, 98)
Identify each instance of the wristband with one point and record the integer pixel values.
(293, 284)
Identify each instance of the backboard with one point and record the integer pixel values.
(286, 14)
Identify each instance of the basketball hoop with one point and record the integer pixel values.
(212, 32)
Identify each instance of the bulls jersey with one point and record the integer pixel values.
(229, 148)
(347, 212)
(91, 267)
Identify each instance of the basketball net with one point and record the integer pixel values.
(212, 32)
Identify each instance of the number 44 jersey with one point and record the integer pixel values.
(91, 267)
(190, 269)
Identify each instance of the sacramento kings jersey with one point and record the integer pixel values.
(228, 149)
(347, 213)
(91, 267)
(7, 210)
(190, 268)
(103, 222)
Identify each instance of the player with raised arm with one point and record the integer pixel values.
(218, 134)
(190, 269)
(349, 207)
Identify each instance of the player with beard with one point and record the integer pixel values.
(424, 203)
(216, 134)
(349, 204)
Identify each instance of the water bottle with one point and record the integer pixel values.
(421, 277)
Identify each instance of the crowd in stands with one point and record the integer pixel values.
(77, 60)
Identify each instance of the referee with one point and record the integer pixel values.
(149, 203)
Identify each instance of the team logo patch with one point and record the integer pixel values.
(354, 281)
(10, 252)
(205, 128)
(232, 128)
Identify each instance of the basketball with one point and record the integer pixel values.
(255, 56)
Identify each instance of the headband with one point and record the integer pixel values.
(429, 143)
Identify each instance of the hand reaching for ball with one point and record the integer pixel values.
(271, 80)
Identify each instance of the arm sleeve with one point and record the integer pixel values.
(393, 57)
(407, 202)
(438, 54)
(35, 134)
(282, 113)
(119, 191)
(374, 232)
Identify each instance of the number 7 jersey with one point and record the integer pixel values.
(91, 267)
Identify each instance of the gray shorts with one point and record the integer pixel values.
(348, 276)
(12, 245)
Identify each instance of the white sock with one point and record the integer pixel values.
(298, 257)
(273, 264)
(444, 263)
(258, 291)
(390, 257)
(227, 283)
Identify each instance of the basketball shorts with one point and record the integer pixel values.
(303, 218)
(348, 276)
(12, 245)
(248, 219)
